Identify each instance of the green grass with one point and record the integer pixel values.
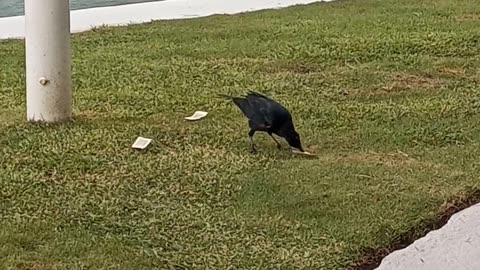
(387, 92)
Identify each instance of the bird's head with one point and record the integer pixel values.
(293, 140)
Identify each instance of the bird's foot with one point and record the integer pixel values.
(253, 150)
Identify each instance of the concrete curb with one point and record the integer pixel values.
(455, 246)
(86, 19)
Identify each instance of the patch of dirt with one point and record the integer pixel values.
(398, 159)
(472, 17)
(298, 68)
(374, 256)
(398, 84)
(452, 71)
(390, 160)
(33, 266)
(402, 82)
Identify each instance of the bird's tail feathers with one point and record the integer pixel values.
(251, 93)
(240, 102)
(225, 96)
(257, 94)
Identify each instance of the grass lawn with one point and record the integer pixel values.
(387, 92)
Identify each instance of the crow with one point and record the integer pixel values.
(266, 115)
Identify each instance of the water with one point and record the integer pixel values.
(15, 7)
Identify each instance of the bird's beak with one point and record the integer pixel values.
(301, 149)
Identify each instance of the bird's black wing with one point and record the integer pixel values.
(261, 110)
(258, 108)
(244, 106)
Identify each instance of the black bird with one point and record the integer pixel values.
(266, 115)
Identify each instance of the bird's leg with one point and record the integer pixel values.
(250, 134)
(253, 150)
(279, 146)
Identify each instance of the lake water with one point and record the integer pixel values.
(15, 7)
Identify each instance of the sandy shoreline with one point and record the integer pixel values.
(86, 19)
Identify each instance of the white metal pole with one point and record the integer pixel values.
(48, 60)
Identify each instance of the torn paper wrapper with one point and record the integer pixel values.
(302, 153)
(197, 116)
(141, 143)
